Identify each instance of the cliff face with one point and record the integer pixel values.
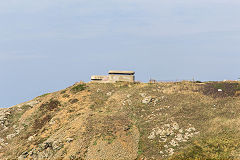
(125, 121)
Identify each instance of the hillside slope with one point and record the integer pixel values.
(181, 120)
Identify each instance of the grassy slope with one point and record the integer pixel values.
(182, 120)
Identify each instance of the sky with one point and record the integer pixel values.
(47, 45)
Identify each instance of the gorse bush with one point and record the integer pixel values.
(78, 88)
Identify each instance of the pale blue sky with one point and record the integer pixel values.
(48, 45)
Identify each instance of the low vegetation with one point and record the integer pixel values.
(78, 88)
(44, 95)
(172, 120)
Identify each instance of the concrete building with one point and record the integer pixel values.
(115, 76)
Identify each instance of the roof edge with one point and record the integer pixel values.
(121, 72)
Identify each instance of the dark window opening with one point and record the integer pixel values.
(120, 74)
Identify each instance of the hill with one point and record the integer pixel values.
(175, 120)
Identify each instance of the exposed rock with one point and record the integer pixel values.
(190, 129)
(170, 151)
(46, 154)
(155, 102)
(52, 121)
(109, 93)
(129, 102)
(147, 100)
(186, 136)
(220, 90)
(69, 140)
(17, 131)
(161, 132)
(167, 125)
(30, 138)
(174, 143)
(152, 135)
(23, 156)
(169, 132)
(179, 137)
(45, 145)
(175, 126)
(142, 94)
(171, 135)
(10, 136)
(57, 145)
(32, 103)
(1, 140)
(163, 139)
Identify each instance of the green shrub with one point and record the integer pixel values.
(238, 87)
(25, 107)
(43, 95)
(64, 91)
(72, 101)
(66, 96)
(78, 88)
